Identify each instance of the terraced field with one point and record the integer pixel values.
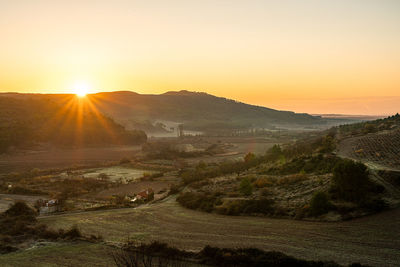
(373, 240)
(379, 148)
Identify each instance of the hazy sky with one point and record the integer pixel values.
(339, 56)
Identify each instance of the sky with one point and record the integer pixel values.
(313, 56)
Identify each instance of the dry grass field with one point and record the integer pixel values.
(373, 240)
(62, 158)
(59, 254)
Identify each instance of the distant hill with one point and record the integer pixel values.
(197, 111)
(60, 120)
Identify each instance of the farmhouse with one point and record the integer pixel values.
(145, 195)
(48, 206)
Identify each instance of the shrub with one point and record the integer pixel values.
(237, 207)
(374, 205)
(350, 180)
(199, 201)
(292, 179)
(124, 160)
(174, 189)
(249, 157)
(265, 192)
(72, 233)
(253, 257)
(319, 204)
(245, 187)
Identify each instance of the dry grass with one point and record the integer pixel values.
(373, 240)
(60, 254)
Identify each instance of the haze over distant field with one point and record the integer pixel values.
(310, 56)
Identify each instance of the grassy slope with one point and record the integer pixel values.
(373, 240)
(60, 254)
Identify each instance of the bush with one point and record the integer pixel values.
(199, 201)
(253, 257)
(124, 160)
(249, 157)
(319, 204)
(174, 189)
(374, 205)
(72, 233)
(252, 206)
(245, 187)
(292, 179)
(350, 180)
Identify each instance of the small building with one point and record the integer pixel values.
(48, 206)
(145, 195)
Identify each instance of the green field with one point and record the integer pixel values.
(373, 240)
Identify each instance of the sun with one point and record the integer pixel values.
(81, 89)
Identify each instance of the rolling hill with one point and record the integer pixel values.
(196, 110)
(27, 121)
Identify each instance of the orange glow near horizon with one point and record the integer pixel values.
(306, 56)
(74, 111)
(81, 89)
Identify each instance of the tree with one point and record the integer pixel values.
(350, 180)
(319, 204)
(249, 157)
(245, 187)
(274, 152)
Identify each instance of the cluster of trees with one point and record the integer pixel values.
(204, 171)
(319, 164)
(350, 180)
(370, 126)
(293, 159)
(213, 203)
(351, 183)
(166, 150)
(199, 201)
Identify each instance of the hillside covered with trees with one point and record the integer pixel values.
(198, 111)
(27, 121)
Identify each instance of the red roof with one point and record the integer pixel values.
(145, 193)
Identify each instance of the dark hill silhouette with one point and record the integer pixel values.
(60, 120)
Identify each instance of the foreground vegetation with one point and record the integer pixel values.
(372, 240)
(300, 180)
(19, 225)
(158, 254)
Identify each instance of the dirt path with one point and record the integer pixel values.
(373, 240)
